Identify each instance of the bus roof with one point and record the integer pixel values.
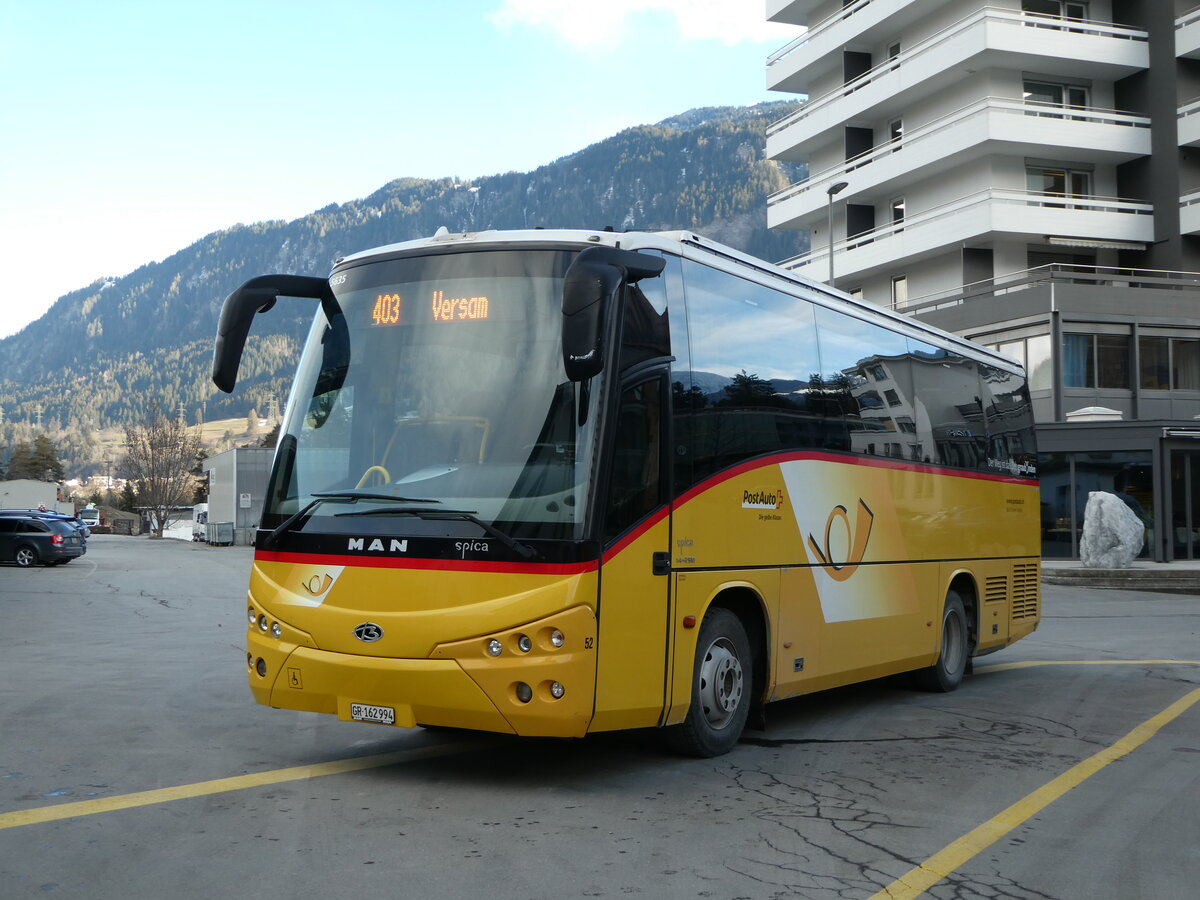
(691, 245)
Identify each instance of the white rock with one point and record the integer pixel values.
(1112, 533)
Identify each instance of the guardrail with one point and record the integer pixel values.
(1061, 273)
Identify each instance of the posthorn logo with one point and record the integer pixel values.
(854, 542)
(368, 632)
(318, 584)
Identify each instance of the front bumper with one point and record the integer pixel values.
(460, 686)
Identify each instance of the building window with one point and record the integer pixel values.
(898, 210)
(896, 130)
(1059, 182)
(1045, 93)
(899, 291)
(893, 50)
(1062, 9)
(1096, 361)
(856, 293)
(1169, 364)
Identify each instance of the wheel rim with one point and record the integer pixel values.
(24, 557)
(721, 683)
(954, 642)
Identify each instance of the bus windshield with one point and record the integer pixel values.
(436, 404)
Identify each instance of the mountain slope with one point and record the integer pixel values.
(105, 354)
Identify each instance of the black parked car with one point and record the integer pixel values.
(75, 522)
(31, 539)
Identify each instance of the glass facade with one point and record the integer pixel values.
(1067, 478)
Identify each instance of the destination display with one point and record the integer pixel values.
(388, 308)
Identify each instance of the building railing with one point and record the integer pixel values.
(935, 41)
(1192, 15)
(982, 198)
(1054, 273)
(939, 126)
(824, 25)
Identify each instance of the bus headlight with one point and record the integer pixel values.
(557, 690)
(276, 630)
(524, 644)
(494, 647)
(557, 638)
(251, 615)
(524, 692)
(263, 625)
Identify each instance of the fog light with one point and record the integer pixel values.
(263, 626)
(524, 692)
(249, 660)
(524, 643)
(494, 647)
(261, 667)
(557, 690)
(557, 638)
(276, 629)
(252, 615)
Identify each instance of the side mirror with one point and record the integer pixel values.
(255, 296)
(591, 287)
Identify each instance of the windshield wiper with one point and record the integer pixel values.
(332, 497)
(461, 515)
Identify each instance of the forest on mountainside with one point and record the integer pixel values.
(108, 354)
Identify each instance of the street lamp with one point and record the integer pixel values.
(835, 188)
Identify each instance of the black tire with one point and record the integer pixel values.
(947, 673)
(26, 556)
(722, 682)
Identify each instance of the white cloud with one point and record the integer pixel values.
(604, 22)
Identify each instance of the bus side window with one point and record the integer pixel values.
(635, 486)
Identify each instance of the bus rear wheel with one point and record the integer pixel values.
(947, 673)
(721, 688)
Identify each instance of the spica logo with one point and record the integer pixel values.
(368, 632)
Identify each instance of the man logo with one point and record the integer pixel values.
(840, 571)
(318, 584)
(368, 632)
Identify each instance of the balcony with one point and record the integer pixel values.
(791, 12)
(1027, 215)
(988, 127)
(863, 22)
(1189, 213)
(986, 38)
(1181, 287)
(1189, 124)
(1187, 35)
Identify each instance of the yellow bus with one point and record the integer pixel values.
(559, 482)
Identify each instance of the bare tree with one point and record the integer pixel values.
(159, 456)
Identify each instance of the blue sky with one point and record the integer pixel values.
(134, 127)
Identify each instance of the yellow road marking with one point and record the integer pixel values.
(357, 764)
(1032, 663)
(221, 785)
(919, 879)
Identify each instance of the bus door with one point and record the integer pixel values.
(634, 583)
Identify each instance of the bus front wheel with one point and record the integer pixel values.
(947, 673)
(721, 688)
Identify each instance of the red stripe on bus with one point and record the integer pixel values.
(448, 565)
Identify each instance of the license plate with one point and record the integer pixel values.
(363, 712)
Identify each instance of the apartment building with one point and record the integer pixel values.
(1025, 173)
